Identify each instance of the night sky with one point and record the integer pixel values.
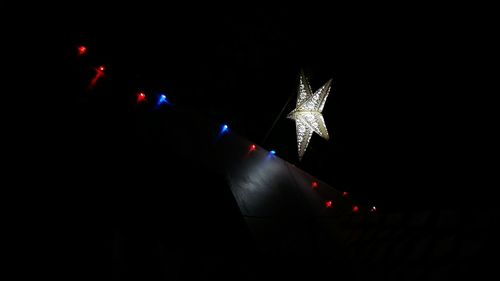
(409, 114)
(399, 112)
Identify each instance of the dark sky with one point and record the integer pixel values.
(410, 115)
(400, 112)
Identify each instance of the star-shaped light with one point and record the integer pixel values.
(307, 114)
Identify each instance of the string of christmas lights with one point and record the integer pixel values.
(307, 116)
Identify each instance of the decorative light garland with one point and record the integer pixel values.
(307, 116)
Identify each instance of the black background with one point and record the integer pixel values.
(403, 111)
(407, 114)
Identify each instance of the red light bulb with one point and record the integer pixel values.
(141, 97)
(99, 74)
(344, 193)
(82, 50)
(252, 147)
(314, 184)
(355, 209)
(328, 204)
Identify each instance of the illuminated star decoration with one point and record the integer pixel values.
(307, 114)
